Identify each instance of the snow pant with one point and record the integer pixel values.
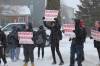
(55, 47)
(98, 49)
(13, 53)
(76, 50)
(17, 53)
(28, 53)
(2, 55)
(42, 48)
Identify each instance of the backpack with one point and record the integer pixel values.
(39, 39)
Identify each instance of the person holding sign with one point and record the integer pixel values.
(96, 42)
(55, 37)
(28, 48)
(78, 43)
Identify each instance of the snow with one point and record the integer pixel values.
(14, 10)
(91, 56)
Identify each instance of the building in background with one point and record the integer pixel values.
(37, 8)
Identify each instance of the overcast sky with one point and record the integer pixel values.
(71, 3)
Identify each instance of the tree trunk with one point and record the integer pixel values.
(54, 5)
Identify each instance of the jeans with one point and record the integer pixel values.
(78, 50)
(13, 53)
(17, 53)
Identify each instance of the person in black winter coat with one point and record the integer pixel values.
(97, 43)
(2, 47)
(55, 37)
(78, 43)
(28, 48)
(41, 40)
(13, 42)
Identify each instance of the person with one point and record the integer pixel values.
(55, 37)
(77, 43)
(97, 43)
(28, 48)
(2, 47)
(13, 42)
(41, 40)
(82, 26)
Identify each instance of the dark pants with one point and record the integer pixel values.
(40, 47)
(2, 55)
(28, 53)
(55, 47)
(76, 50)
(98, 49)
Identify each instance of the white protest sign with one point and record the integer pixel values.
(68, 30)
(50, 15)
(95, 35)
(25, 37)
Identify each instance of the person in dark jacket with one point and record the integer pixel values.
(2, 47)
(41, 40)
(28, 48)
(77, 43)
(55, 37)
(13, 42)
(97, 43)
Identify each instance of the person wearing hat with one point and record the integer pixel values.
(2, 47)
(77, 44)
(55, 37)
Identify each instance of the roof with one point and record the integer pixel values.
(14, 10)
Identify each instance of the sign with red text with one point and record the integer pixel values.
(25, 37)
(50, 15)
(68, 29)
(95, 35)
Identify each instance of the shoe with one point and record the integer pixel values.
(61, 63)
(33, 65)
(54, 63)
(25, 64)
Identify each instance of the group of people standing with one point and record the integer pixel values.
(39, 39)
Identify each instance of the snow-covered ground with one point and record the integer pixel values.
(91, 56)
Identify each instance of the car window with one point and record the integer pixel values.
(21, 27)
(8, 28)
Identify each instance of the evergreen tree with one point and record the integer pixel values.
(89, 10)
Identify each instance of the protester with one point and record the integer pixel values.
(55, 37)
(77, 43)
(13, 42)
(28, 48)
(41, 40)
(97, 43)
(2, 47)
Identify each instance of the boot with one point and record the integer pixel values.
(61, 63)
(25, 64)
(54, 63)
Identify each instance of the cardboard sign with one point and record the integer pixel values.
(25, 37)
(95, 35)
(50, 15)
(68, 30)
